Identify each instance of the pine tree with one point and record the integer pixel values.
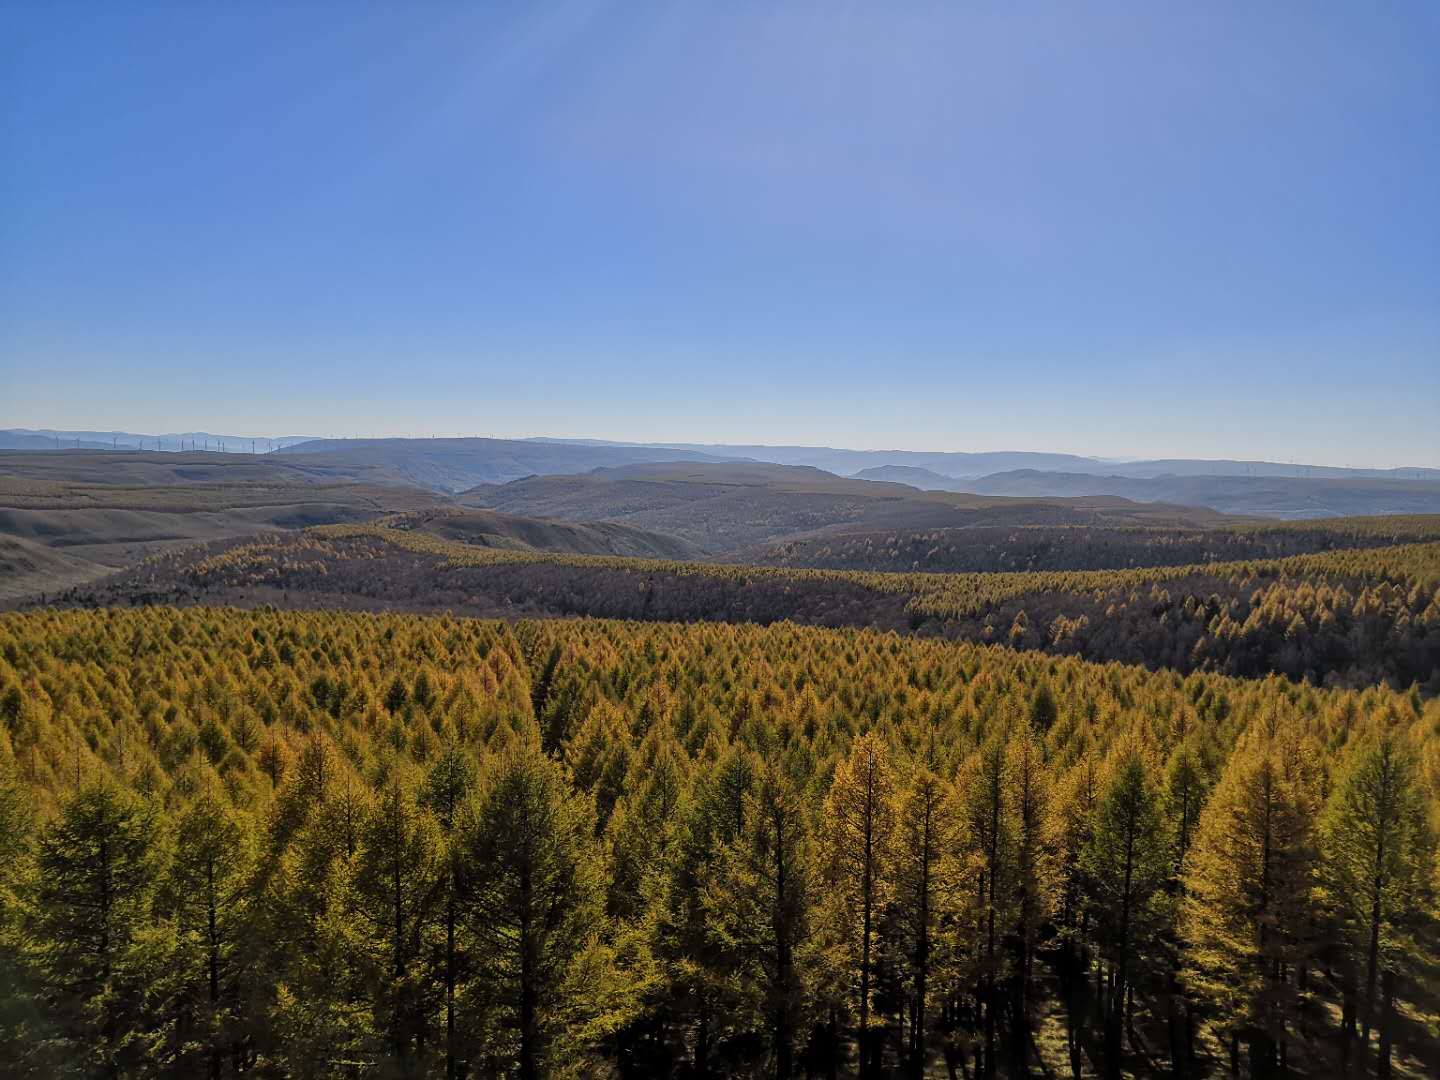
(532, 889)
(1071, 827)
(446, 788)
(644, 826)
(1378, 861)
(1185, 792)
(314, 943)
(1248, 893)
(95, 871)
(1186, 788)
(929, 876)
(205, 892)
(1126, 863)
(397, 872)
(857, 824)
(988, 837)
(25, 1032)
(701, 977)
(757, 904)
(1036, 867)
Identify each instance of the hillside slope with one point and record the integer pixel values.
(1348, 617)
(492, 529)
(955, 464)
(1005, 548)
(28, 568)
(721, 508)
(457, 464)
(924, 479)
(94, 512)
(1269, 496)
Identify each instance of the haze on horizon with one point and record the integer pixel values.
(1122, 233)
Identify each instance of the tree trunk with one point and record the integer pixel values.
(783, 1065)
(401, 1036)
(213, 941)
(867, 886)
(702, 1043)
(1118, 1004)
(994, 860)
(834, 1030)
(529, 1051)
(1347, 1013)
(112, 1064)
(1372, 959)
(1387, 1023)
(450, 980)
(922, 958)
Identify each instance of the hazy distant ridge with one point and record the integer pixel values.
(51, 439)
(957, 464)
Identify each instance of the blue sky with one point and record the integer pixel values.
(1126, 230)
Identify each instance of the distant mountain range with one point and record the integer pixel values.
(459, 464)
(455, 465)
(51, 439)
(958, 465)
(72, 515)
(1266, 496)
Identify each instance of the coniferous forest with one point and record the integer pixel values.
(281, 844)
(773, 541)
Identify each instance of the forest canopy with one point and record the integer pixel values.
(319, 844)
(1346, 617)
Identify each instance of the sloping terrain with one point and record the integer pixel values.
(457, 464)
(94, 512)
(924, 479)
(1007, 548)
(492, 529)
(27, 568)
(1347, 617)
(720, 508)
(957, 464)
(851, 462)
(1268, 496)
(151, 468)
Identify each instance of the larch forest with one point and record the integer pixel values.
(308, 844)
(613, 540)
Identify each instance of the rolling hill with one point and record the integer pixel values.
(453, 465)
(720, 508)
(177, 441)
(924, 479)
(1011, 548)
(1342, 617)
(954, 464)
(103, 510)
(492, 529)
(1267, 496)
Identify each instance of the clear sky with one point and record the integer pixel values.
(1132, 230)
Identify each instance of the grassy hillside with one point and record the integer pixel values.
(28, 568)
(722, 508)
(490, 529)
(452, 465)
(97, 512)
(924, 479)
(1267, 496)
(150, 468)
